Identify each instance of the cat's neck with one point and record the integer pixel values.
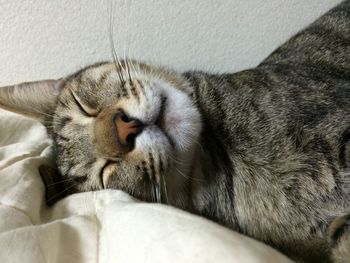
(214, 169)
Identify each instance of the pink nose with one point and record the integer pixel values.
(127, 128)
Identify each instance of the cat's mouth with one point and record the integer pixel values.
(161, 121)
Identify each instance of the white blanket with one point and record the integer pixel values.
(104, 226)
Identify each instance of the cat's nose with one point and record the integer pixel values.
(127, 129)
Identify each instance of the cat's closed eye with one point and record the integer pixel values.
(84, 107)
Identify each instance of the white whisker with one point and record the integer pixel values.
(111, 39)
(165, 190)
(61, 181)
(65, 190)
(127, 11)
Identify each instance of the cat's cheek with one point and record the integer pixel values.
(129, 179)
(122, 174)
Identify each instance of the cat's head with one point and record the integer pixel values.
(131, 126)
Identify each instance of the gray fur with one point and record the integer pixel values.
(278, 139)
(273, 168)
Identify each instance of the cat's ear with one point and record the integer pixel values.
(33, 99)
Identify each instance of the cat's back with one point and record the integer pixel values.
(274, 99)
(301, 92)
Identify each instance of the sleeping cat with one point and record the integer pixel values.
(265, 151)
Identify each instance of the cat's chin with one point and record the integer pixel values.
(174, 135)
(180, 122)
(179, 119)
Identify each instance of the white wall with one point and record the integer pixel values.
(47, 39)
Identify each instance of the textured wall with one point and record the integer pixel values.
(48, 39)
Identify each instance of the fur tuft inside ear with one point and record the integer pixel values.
(33, 99)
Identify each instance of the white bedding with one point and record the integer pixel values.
(103, 226)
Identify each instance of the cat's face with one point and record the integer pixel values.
(136, 132)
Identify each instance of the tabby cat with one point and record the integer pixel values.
(265, 151)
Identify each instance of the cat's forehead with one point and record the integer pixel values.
(113, 75)
(112, 72)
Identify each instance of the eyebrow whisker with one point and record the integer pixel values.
(117, 61)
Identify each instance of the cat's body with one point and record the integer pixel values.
(277, 170)
(265, 151)
(282, 130)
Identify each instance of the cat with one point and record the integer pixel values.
(265, 151)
